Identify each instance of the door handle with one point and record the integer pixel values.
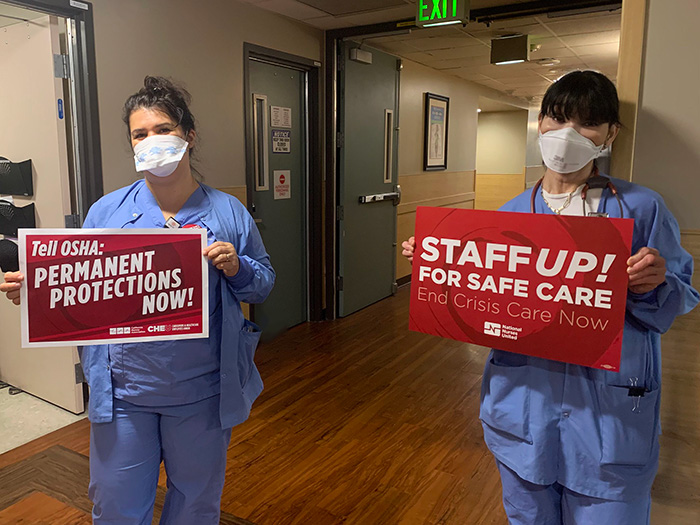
(378, 197)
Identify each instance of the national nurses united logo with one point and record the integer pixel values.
(502, 330)
(492, 329)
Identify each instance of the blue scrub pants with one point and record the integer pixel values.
(530, 504)
(125, 458)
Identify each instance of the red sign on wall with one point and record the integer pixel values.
(549, 286)
(97, 286)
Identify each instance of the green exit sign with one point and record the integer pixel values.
(442, 12)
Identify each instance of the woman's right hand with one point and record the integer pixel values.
(409, 247)
(11, 286)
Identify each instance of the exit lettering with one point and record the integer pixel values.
(435, 10)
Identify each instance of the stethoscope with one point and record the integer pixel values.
(595, 181)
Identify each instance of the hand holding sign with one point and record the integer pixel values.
(646, 270)
(223, 255)
(409, 247)
(12, 285)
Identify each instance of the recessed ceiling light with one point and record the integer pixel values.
(548, 62)
(478, 110)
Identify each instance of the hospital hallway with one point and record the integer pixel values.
(363, 422)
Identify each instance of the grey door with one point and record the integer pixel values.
(367, 167)
(279, 189)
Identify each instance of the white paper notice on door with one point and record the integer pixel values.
(280, 117)
(281, 141)
(283, 189)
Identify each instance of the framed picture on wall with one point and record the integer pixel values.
(437, 112)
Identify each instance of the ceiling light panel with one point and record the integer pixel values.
(589, 39)
(576, 27)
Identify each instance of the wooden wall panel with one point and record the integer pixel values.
(237, 191)
(676, 491)
(494, 190)
(449, 189)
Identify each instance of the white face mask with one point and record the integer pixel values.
(566, 150)
(159, 154)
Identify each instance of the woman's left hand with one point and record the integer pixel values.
(646, 270)
(223, 255)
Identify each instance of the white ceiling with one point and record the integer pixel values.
(580, 42)
(14, 15)
(334, 14)
(587, 41)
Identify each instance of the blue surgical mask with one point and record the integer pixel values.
(159, 154)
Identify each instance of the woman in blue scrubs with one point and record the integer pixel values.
(172, 401)
(577, 445)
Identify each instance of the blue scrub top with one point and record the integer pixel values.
(556, 422)
(167, 373)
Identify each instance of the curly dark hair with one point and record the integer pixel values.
(164, 95)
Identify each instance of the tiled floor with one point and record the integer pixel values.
(24, 418)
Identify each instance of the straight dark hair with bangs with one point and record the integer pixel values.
(587, 96)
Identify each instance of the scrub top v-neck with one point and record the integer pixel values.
(166, 373)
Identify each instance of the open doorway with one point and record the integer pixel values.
(49, 140)
(501, 145)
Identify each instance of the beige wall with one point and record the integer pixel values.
(667, 142)
(455, 186)
(501, 142)
(666, 158)
(199, 44)
(416, 80)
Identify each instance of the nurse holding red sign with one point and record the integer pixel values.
(574, 443)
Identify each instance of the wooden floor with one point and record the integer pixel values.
(364, 422)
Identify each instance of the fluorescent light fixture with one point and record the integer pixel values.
(510, 49)
(451, 22)
(508, 62)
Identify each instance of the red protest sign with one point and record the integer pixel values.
(543, 285)
(99, 286)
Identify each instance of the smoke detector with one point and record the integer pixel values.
(548, 62)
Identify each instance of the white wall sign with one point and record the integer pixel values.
(281, 141)
(280, 117)
(283, 189)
